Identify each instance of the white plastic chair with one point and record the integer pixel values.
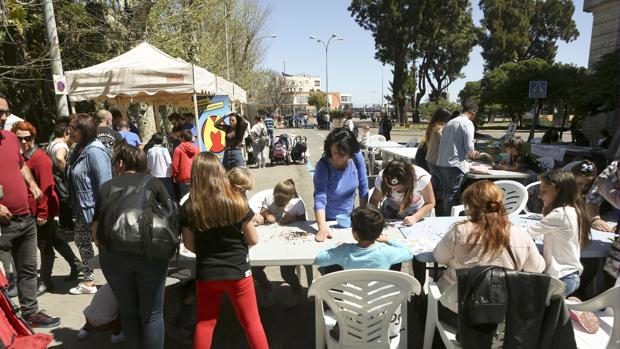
(456, 210)
(532, 194)
(362, 302)
(515, 196)
(256, 201)
(449, 299)
(608, 335)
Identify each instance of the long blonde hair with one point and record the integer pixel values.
(212, 201)
(485, 207)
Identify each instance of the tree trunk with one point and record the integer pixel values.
(400, 65)
(146, 123)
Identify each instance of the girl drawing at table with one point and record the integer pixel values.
(486, 238)
(515, 160)
(407, 190)
(565, 227)
(220, 240)
(282, 206)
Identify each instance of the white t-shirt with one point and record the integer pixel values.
(158, 161)
(560, 230)
(422, 178)
(294, 207)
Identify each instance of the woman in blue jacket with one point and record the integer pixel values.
(89, 166)
(338, 174)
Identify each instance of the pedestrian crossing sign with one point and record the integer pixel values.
(538, 89)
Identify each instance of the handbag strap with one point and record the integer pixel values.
(512, 257)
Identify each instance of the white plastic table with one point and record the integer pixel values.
(277, 246)
(490, 173)
(373, 147)
(407, 154)
(425, 235)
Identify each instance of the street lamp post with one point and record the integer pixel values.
(326, 45)
(381, 87)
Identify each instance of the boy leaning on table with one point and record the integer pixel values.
(372, 251)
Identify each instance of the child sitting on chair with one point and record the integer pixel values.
(365, 135)
(515, 161)
(367, 225)
(372, 251)
(283, 206)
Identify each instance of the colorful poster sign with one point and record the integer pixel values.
(212, 109)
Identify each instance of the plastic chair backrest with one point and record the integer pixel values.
(606, 299)
(256, 201)
(515, 196)
(534, 203)
(377, 138)
(363, 301)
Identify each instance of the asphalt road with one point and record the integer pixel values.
(285, 327)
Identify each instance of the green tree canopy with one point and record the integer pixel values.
(515, 30)
(318, 99)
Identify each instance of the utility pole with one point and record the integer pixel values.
(62, 107)
(326, 45)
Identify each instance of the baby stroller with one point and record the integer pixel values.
(299, 149)
(14, 330)
(279, 152)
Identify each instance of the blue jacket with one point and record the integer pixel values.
(86, 173)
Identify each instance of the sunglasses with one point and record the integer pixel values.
(5, 112)
(25, 138)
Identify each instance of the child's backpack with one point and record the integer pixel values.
(15, 333)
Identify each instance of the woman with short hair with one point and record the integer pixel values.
(340, 171)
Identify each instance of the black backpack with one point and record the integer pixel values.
(60, 180)
(138, 224)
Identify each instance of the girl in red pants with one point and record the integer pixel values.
(217, 225)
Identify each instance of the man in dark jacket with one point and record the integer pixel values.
(385, 126)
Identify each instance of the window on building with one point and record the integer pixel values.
(317, 82)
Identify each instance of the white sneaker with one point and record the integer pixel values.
(81, 288)
(117, 338)
(83, 333)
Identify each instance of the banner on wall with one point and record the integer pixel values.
(211, 109)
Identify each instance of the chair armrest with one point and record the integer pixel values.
(608, 298)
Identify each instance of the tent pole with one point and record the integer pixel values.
(196, 122)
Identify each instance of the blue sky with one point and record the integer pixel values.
(352, 67)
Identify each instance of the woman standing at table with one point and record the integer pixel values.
(338, 174)
(235, 131)
(220, 240)
(486, 238)
(407, 190)
(431, 141)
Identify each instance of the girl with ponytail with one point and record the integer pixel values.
(486, 238)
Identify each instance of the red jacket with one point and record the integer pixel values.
(41, 167)
(182, 159)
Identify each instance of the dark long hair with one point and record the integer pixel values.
(568, 195)
(441, 116)
(399, 172)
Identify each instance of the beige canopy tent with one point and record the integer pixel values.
(146, 74)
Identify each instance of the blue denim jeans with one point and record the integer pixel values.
(138, 286)
(233, 158)
(571, 283)
(451, 180)
(436, 182)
